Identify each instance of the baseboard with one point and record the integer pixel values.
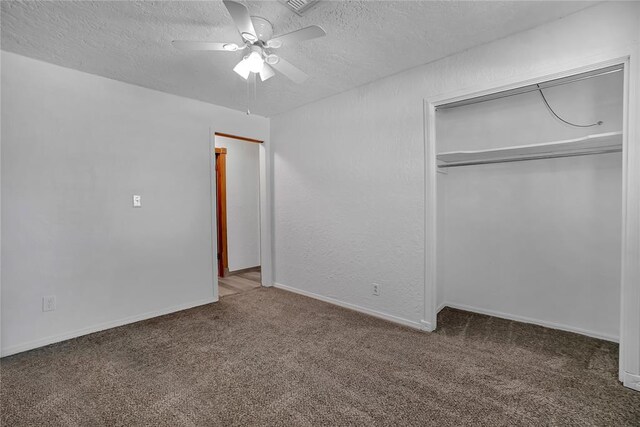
(632, 381)
(427, 326)
(538, 322)
(100, 327)
(380, 315)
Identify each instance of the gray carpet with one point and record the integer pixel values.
(268, 357)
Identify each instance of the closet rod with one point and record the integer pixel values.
(531, 88)
(526, 158)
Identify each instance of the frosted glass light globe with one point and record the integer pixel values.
(255, 62)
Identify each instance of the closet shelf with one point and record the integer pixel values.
(591, 144)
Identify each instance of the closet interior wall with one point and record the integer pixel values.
(539, 240)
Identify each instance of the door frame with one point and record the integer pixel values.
(221, 210)
(266, 227)
(629, 361)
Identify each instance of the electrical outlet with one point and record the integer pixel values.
(49, 303)
(137, 201)
(375, 288)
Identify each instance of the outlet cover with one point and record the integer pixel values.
(49, 303)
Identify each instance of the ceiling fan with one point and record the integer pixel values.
(257, 34)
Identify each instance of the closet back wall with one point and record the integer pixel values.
(524, 119)
(535, 240)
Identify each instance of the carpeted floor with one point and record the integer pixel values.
(269, 357)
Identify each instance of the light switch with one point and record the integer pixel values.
(137, 201)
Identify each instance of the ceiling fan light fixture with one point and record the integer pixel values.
(249, 37)
(242, 68)
(272, 59)
(255, 62)
(257, 38)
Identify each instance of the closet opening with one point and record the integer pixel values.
(525, 203)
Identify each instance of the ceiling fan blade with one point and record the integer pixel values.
(295, 74)
(303, 34)
(241, 17)
(267, 72)
(189, 45)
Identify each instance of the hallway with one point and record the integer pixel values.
(235, 283)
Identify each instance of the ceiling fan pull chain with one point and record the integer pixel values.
(255, 89)
(248, 98)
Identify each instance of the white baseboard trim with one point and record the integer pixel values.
(632, 381)
(538, 322)
(427, 326)
(380, 315)
(440, 307)
(19, 348)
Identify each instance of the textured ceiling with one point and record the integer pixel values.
(366, 40)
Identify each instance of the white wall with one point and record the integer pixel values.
(349, 169)
(75, 148)
(243, 202)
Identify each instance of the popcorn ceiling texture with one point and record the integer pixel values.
(131, 42)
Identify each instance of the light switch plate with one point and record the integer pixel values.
(137, 201)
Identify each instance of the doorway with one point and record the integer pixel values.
(238, 200)
(221, 210)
